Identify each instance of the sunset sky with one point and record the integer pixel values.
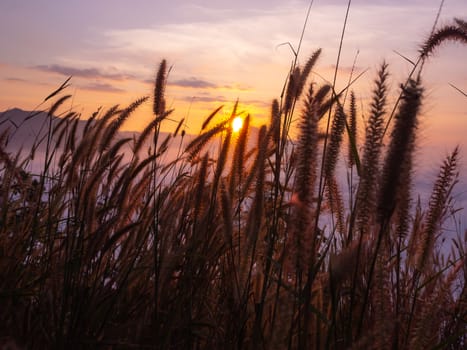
(222, 50)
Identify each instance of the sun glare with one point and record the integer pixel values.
(237, 124)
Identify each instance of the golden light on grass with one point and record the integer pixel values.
(237, 124)
(233, 203)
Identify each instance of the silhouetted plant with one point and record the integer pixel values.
(241, 243)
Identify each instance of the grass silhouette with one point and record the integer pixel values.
(225, 246)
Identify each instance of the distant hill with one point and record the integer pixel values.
(26, 128)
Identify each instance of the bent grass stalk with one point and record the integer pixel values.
(226, 247)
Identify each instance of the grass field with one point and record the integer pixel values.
(246, 240)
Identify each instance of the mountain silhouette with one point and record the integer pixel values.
(26, 132)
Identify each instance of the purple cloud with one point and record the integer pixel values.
(81, 72)
(102, 87)
(194, 83)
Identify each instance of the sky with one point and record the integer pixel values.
(220, 51)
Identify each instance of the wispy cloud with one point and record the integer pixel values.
(194, 83)
(224, 99)
(225, 45)
(82, 72)
(18, 80)
(25, 81)
(104, 87)
(237, 87)
(258, 103)
(197, 83)
(345, 69)
(206, 99)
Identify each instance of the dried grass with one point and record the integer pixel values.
(228, 247)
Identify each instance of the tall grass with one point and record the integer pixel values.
(248, 244)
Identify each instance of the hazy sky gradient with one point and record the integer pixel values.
(220, 51)
(224, 43)
(223, 50)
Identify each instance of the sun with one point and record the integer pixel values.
(237, 124)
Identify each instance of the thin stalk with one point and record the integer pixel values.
(322, 182)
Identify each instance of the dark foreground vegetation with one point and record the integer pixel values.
(237, 246)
